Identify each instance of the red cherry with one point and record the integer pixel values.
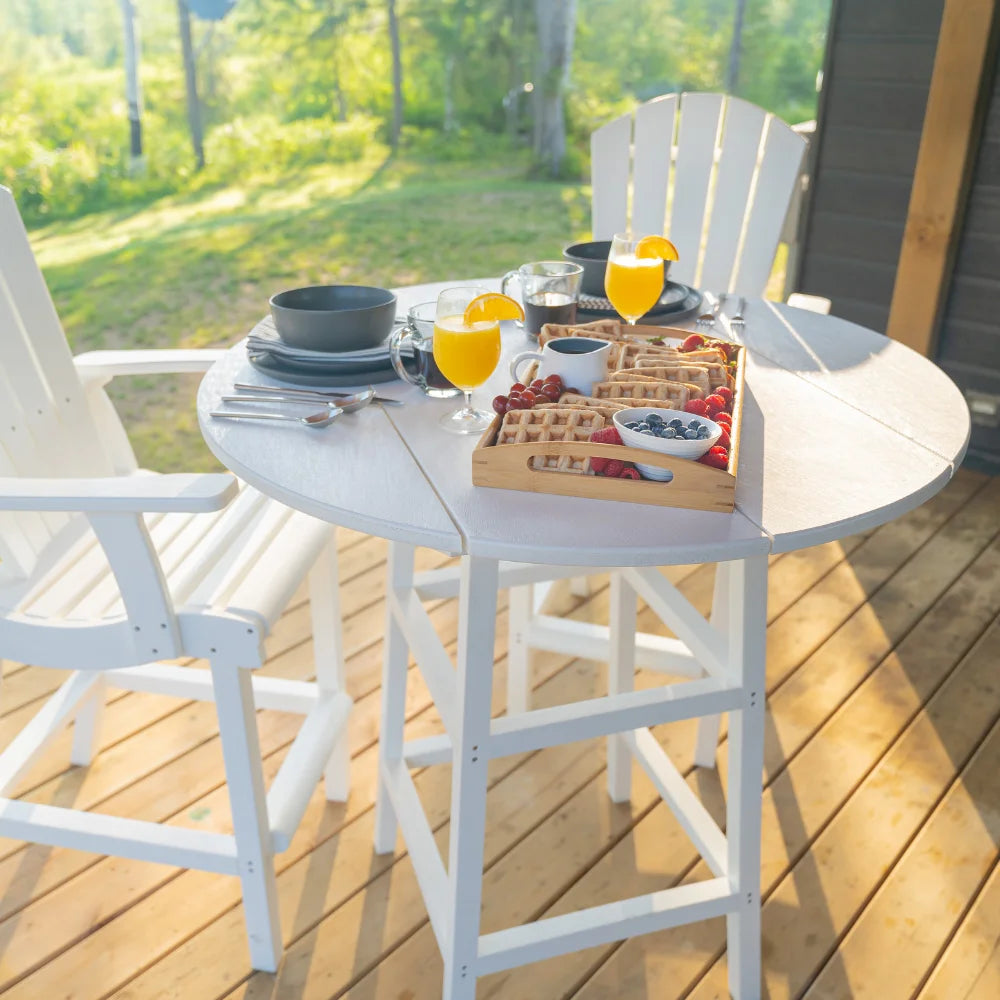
(696, 406)
(537, 384)
(518, 387)
(520, 403)
(509, 406)
(575, 392)
(528, 397)
(500, 404)
(552, 392)
(553, 379)
(514, 394)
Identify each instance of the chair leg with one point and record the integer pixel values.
(86, 727)
(621, 678)
(474, 684)
(747, 625)
(707, 738)
(394, 675)
(579, 586)
(519, 611)
(328, 652)
(248, 803)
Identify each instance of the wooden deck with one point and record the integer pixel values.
(881, 808)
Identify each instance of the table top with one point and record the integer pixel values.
(842, 430)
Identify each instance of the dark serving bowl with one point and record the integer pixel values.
(334, 317)
(592, 256)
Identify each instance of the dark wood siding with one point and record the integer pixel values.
(969, 341)
(876, 80)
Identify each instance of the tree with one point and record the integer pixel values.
(397, 77)
(735, 48)
(191, 84)
(132, 90)
(556, 23)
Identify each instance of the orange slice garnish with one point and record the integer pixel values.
(656, 246)
(492, 307)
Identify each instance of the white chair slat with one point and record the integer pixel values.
(776, 178)
(696, 139)
(609, 164)
(741, 139)
(22, 535)
(652, 149)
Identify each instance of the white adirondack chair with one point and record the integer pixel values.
(108, 570)
(717, 175)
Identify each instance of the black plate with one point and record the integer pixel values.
(677, 303)
(335, 376)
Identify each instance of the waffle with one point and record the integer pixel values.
(601, 329)
(709, 376)
(605, 407)
(573, 399)
(669, 394)
(625, 355)
(556, 424)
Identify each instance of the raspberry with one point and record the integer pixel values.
(697, 406)
(724, 441)
(613, 469)
(726, 393)
(630, 472)
(599, 464)
(606, 435)
(714, 461)
(715, 402)
(723, 420)
(693, 342)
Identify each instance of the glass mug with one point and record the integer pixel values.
(550, 290)
(419, 334)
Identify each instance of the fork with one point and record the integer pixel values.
(706, 321)
(738, 323)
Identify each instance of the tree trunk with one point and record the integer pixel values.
(133, 93)
(397, 76)
(735, 48)
(556, 20)
(449, 97)
(514, 73)
(191, 84)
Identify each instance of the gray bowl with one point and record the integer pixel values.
(334, 317)
(592, 256)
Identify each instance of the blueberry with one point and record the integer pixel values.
(642, 425)
(691, 435)
(668, 432)
(676, 423)
(694, 425)
(703, 432)
(646, 430)
(653, 418)
(632, 425)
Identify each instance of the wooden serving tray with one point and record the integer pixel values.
(695, 486)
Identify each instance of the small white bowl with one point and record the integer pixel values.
(681, 447)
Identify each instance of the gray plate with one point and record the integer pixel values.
(334, 378)
(677, 303)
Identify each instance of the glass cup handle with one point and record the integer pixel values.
(505, 282)
(517, 359)
(396, 341)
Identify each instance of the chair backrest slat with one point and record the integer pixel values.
(727, 182)
(652, 150)
(777, 175)
(610, 156)
(46, 428)
(742, 130)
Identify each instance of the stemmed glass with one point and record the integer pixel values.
(632, 283)
(466, 354)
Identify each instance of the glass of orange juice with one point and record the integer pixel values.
(466, 350)
(633, 283)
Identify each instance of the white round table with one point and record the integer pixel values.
(842, 430)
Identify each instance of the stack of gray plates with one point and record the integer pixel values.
(269, 354)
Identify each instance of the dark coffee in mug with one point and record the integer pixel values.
(548, 307)
(426, 366)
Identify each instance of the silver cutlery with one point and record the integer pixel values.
(313, 395)
(320, 419)
(706, 321)
(348, 404)
(738, 323)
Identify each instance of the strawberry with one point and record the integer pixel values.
(606, 435)
(630, 472)
(696, 406)
(613, 469)
(693, 342)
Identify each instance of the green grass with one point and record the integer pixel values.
(197, 271)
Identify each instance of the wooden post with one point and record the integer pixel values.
(948, 145)
(191, 83)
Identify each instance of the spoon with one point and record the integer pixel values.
(348, 404)
(320, 419)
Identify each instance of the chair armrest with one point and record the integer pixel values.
(813, 303)
(107, 364)
(195, 494)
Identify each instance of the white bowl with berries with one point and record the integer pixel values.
(669, 432)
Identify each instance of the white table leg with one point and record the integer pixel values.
(474, 684)
(245, 781)
(394, 674)
(621, 678)
(747, 625)
(328, 654)
(519, 611)
(707, 739)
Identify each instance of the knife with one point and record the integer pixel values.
(309, 394)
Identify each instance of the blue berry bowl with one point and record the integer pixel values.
(647, 427)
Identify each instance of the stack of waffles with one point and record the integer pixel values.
(554, 423)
